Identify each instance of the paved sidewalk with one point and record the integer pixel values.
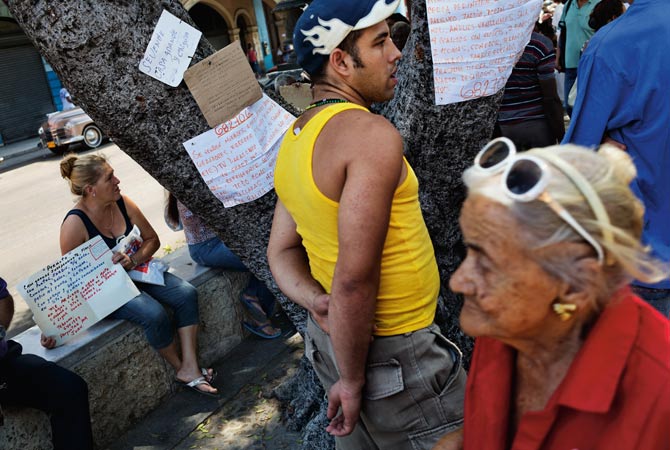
(22, 152)
(245, 417)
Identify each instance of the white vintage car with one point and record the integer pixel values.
(68, 127)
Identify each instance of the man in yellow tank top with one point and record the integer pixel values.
(349, 243)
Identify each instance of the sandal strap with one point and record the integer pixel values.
(197, 382)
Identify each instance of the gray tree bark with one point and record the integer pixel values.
(95, 48)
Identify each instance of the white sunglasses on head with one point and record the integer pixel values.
(526, 177)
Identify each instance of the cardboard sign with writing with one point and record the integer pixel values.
(237, 158)
(476, 43)
(73, 293)
(223, 84)
(170, 50)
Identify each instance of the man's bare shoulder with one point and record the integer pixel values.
(358, 132)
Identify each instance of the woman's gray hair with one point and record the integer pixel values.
(609, 171)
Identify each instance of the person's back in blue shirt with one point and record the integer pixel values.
(624, 94)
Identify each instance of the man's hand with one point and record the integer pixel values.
(319, 310)
(451, 441)
(349, 399)
(47, 342)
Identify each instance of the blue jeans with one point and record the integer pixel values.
(147, 309)
(570, 78)
(658, 298)
(214, 253)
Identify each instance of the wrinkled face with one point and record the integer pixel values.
(107, 186)
(507, 295)
(376, 80)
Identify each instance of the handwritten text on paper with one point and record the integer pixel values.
(73, 293)
(170, 50)
(475, 44)
(237, 158)
(223, 84)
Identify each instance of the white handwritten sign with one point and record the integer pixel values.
(475, 44)
(237, 158)
(170, 50)
(78, 290)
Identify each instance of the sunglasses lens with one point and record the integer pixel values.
(497, 152)
(523, 176)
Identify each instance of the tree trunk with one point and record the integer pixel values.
(95, 48)
(440, 143)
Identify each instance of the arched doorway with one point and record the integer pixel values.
(212, 25)
(244, 32)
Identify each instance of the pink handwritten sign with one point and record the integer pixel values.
(237, 158)
(73, 293)
(475, 44)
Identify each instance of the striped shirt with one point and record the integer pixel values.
(523, 97)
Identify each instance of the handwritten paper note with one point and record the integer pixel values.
(475, 44)
(237, 158)
(170, 50)
(78, 290)
(223, 84)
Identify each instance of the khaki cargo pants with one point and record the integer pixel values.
(414, 388)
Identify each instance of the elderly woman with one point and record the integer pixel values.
(101, 210)
(566, 357)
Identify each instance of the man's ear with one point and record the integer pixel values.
(340, 61)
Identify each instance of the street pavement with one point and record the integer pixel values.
(22, 152)
(245, 417)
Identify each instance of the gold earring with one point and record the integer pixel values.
(564, 310)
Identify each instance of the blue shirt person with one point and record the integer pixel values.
(623, 96)
(66, 99)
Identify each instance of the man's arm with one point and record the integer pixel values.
(373, 171)
(451, 441)
(290, 268)
(603, 100)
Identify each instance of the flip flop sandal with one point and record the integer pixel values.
(193, 385)
(258, 330)
(208, 378)
(253, 307)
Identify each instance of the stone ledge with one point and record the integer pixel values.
(126, 377)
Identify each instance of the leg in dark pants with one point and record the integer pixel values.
(36, 383)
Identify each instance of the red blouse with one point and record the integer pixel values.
(615, 396)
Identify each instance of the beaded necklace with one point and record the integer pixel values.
(326, 101)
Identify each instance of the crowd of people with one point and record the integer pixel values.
(565, 280)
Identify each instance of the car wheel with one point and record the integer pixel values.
(92, 136)
(59, 149)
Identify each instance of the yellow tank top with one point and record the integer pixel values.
(409, 281)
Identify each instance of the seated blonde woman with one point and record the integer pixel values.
(101, 210)
(566, 356)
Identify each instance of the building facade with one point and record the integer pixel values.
(264, 24)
